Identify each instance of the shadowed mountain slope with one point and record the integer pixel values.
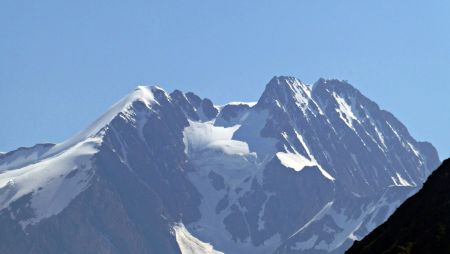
(420, 225)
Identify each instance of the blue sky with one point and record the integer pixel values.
(63, 63)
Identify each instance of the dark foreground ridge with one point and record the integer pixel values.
(420, 225)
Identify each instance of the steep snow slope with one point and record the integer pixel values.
(191, 245)
(55, 174)
(53, 182)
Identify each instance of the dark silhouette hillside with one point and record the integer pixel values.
(420, 225)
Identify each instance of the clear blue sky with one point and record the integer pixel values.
(63, 63)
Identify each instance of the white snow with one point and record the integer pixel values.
(293, 160)
(394, 131)
(250, 133)
(237, 153)
(189, 244)
(414, 150)
(22, 159)
(297, 162)
(400, 181)
(141, 93)
(344, 110)
(212, 148)
(302, 94)
(380, 136)
(53, 182)
(316, 217)
(57, 176)
(348, 226)
(237, 103)
(201, 136)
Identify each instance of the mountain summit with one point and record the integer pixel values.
(307, 169)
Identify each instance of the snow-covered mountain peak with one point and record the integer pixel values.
(49, 176)
(306, 169)
(280, 90)
(148, 95)
(194, 107)
(284, 89)
(333, 84)
(324, 90)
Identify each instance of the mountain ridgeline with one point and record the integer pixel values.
(305, 169)
(420, 225)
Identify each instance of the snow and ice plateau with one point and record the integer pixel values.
(306, 169)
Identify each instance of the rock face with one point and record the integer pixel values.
(307, 169)
(420, 225)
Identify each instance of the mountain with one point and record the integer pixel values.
(420, 225)
(305, 169)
